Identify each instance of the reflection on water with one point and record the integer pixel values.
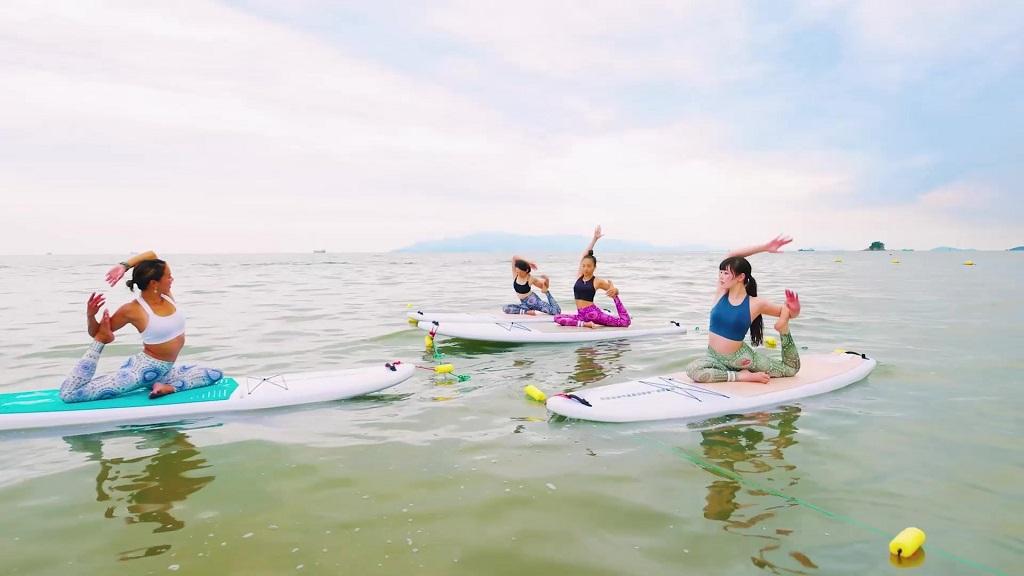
(753, 449)
(597, 361)
(145, 482)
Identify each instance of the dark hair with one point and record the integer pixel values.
(739, 265)
(523, 265)
(590, 254)
(145, 272)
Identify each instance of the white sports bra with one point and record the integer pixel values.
(162, 329)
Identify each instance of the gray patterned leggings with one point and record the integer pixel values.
(533, 302)
(717, 367)
(139, 371)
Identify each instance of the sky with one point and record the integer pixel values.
(266, 126)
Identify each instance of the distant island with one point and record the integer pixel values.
(876, 246)
(806, 250)
(507, 242)
(951, 249)
(1017, 249)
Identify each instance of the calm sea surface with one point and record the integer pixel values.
(444, 477)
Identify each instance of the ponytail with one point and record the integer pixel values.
(757, 326)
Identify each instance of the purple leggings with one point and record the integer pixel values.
(594, 314)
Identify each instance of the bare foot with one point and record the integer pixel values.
(531, 312)
(782, 325)
(161, 390)
(547, 283)
(104, 334)
(589, 325)
(755, 377)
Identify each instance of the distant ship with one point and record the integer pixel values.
(319, 251)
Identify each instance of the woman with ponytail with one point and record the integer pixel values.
(523, 283)
(737, 309)
(161, 323)
(586, 287)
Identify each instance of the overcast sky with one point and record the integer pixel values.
(271, 126)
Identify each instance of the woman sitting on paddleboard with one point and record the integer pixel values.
(737, 309)
(586, 287)
(162, 325)
(529, 302)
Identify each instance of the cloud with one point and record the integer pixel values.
(701, 43)
(199, 127)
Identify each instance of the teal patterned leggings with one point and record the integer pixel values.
(717, 367)
(139, 371)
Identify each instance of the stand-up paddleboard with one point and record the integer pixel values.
(44, 408)
(482, 316)
(676, 396)
(545, 332)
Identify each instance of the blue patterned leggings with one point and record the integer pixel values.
(139, 371)
(533, 302)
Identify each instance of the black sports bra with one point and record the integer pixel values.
(521, 288)
(584, 290)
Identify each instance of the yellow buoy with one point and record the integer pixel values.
(907, 542)
(895, 261)
(839, 351)
(444, 368)
(770, 342)
(838, 260)
(969, 263)
(535, 393)
(408, 305)
(429, 341)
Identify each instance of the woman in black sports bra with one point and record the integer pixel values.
(587, 314)
(522, 283)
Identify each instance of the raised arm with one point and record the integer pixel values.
(772, 246)
(533, 265)
(593, 242)
(117, 272)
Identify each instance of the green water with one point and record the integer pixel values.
(443, 477)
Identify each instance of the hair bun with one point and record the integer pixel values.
(129, 283)
(590, 252)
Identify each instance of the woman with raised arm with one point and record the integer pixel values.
(585, 289)
(161, 323)
(522, 283)
(737, 309)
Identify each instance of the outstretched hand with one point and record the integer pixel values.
(115, 274)
(777, 243)
(96, 301)
(793, 303)
(597, 233)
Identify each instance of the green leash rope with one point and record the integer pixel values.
(737, 477)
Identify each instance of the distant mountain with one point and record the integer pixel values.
(507, 242)
(950, 249)
(1017, 249)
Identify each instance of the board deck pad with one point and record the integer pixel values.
(49, 400)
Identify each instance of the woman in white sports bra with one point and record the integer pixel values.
(162, 326)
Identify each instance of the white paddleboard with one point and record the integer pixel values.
(676, 396)
(483, 316)
(545, 332)
(44, 408)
